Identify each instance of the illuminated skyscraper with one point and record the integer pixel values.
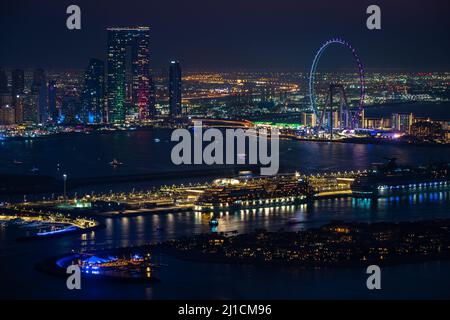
(175, 89)
(128, 54)
(93, 95)
(39, 88)
(70, 107)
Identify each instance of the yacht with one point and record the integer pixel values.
(115, 163)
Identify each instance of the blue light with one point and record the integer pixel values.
(47, 233)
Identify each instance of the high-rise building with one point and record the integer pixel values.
(52, 110)
(152, 98)
(31, 108)
(175, 89)
(17, 93)
(5, 99)
(17, 83)
(39, 87)
(70, 108)
(3, 81)
(93, 95)
(7, 115)
(18, 107)
(128, 72)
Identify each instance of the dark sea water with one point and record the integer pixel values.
(88, 155)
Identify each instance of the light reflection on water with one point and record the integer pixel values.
(138, 230)
(229, 281)
(85, 155)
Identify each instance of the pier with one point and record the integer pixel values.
(179, 198)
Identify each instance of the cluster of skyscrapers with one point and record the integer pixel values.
(119, 91)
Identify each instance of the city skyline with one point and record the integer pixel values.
(224, 150)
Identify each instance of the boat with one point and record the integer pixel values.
(34, 169)
(16, 221)
(157, 140)
(389, 179)
(115, 163)
(17, 162)
(248, 193)
(293, 222)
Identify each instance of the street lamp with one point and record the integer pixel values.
(65, 185)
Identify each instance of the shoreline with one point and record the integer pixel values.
(374, 141)
(61, 234)
(193, 255)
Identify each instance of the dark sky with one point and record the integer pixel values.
(230, 34)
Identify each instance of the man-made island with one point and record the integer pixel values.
(337, 244)
(334, 244)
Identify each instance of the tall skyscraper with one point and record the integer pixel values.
(18, 82)
(93, 95)
(31, 108)
(39, 87)
(128, 54)
(3, 81)
(174, 89)
(152, 98)
(18, 107)
(52, 111)
(17, 93)
(70, 107)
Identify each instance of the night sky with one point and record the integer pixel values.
(230, 34)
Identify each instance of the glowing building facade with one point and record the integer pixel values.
(128, 79)
(93, 95)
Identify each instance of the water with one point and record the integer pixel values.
(89, 155)
(182, 279)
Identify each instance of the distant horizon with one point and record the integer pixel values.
(237, 70)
